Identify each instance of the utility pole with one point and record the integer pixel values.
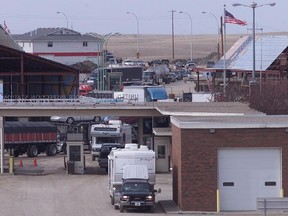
(172, 12)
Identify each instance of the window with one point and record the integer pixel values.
(50, 44)
(85, 44)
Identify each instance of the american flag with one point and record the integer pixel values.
(229, 18)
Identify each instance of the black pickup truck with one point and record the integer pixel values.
(137, 193)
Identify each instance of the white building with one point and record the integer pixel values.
(62, 45)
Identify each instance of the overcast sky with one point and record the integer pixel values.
(154, 16)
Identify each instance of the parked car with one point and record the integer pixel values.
(188, 78)
(172, 77)
(191, 66)
(72, 119)
(210, 64)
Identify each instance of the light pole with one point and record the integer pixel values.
(108, 36)
(137, 52)
(218, 33)
(172, 12)
(191, 25)
(58, 12)
(253, 6)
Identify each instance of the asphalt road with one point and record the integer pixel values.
(44, 188)
(41, 186)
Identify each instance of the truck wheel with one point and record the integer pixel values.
(97, 119)
(47, 150)
(70, 120)
(34, 151)
(152, 209)
(16, 153)
(28, 151)
(52, 150)
(93, 158)
(112, 200)
(122, 208)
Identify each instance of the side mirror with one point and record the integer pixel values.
(157, 191)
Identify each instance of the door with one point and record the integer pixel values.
(162, 151)
(246, 174)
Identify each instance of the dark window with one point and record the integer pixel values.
(228, 183)
(85, 44)
(50, 44)
(270, 183)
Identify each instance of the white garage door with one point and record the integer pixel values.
(245, 174)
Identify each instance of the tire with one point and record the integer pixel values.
(70, 120)
(16, 153)
(93, 158)
(112, 200)
(52, 150)
(28, 151)
(97, 119)
(34, 151)
(152, 209)
(47, 150)
(122, 208)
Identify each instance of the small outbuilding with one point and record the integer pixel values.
(224, 163)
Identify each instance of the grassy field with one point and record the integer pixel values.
(160, 46)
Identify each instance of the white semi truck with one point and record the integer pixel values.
(121, 157)
(142, 94)
(113, 131)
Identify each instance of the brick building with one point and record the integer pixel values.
(223, 163)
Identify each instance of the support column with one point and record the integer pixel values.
(140, 131)
(2, 144)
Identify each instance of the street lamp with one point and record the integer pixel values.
(218, 33)
(191, 53)
(58, 12)
(137, 54)
(253, 6)
(172, 13)
(108, 36)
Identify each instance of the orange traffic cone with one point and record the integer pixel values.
(20, 163)
(35, 163)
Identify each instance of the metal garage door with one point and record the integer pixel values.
(245, 174)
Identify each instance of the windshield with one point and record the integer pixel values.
(136, 187)
(107, 140)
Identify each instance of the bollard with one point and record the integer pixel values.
(11, 164)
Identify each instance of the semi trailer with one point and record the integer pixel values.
(31, 138)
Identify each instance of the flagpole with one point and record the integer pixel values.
(224, 71)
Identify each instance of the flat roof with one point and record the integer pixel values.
(230, 122)
(205, 109)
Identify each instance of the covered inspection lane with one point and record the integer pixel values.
(70, 109)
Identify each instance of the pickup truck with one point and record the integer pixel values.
(137, 193)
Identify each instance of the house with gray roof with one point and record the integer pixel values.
(62, 45)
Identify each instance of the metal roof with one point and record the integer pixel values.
(240, 56)
(7, 41)
(54, 34)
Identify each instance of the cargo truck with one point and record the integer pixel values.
(142, 94)
(131, 154)
(31, 138)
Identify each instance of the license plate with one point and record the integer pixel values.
(137, 204)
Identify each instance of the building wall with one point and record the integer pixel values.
(65, 52)
(194, 155)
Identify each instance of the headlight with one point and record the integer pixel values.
(150, 197)
(125, 198)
